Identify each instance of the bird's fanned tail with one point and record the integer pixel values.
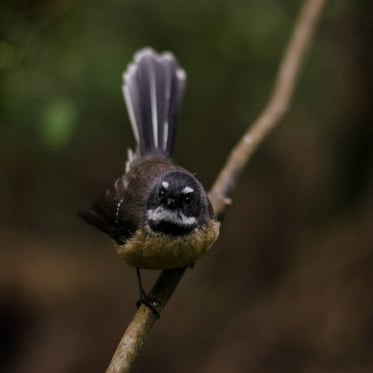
(153, 87)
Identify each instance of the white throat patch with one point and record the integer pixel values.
(161, 214)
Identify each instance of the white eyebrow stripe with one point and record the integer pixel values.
(165, 184)
(187, 190)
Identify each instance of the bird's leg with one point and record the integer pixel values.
(145, 299)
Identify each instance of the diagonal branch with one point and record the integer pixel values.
(276, 107)
(139, 328)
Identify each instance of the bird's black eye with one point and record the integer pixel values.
(162, 192)
(188, 198)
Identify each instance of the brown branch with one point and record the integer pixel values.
(139, 328)
(144, 319)
(276, 107)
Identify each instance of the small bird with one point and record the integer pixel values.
(157, 213)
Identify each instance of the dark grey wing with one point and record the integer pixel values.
(106, 213)
(153, 87)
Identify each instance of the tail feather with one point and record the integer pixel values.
(153, 89)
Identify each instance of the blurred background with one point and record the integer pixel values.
(288, 286)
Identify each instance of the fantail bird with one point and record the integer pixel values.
(157, 213)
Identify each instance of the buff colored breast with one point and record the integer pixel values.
(170, 252)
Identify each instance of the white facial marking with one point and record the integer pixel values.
(187, 190)
(177, 217)
(165, 184)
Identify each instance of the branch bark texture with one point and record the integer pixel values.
(144, 319)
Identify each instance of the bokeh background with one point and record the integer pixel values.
(288, 287)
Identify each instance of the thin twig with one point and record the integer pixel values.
(274, 110)
(144, 319)
(139, 328)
